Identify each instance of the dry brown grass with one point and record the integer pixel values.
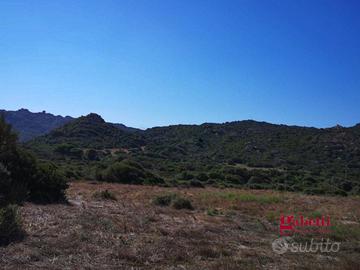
(133, 233)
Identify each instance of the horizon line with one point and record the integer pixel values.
(185, 124)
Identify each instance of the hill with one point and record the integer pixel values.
(243, 153)
(86, 132)
(29, 125)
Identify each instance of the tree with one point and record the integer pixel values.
(22, 177)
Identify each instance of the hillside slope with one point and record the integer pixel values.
(255, 154)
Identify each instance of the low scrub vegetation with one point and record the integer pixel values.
(164, 200)
(105, 195)
(23, 178)
(341, 232)
(243, 197)
(182, 203)
(128, 172)
(244, 154)
(174, 200)
(10, 225)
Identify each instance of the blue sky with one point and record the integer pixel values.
(149, 63)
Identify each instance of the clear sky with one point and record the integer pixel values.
(146, 63)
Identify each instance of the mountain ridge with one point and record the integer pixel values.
(265, 155)
(29, 125)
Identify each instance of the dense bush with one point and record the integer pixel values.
(164, 200)
(92, 154)
(22, 177)
(182, 203)
(196, 183)
(202, 177)
(48, 185)
(128, 172)
(68, 150)
(10, 225)
(105, 195)
(174, 200)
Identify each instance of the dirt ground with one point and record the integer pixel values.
(228, 229)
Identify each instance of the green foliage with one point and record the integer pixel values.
(164, 200)
(89, 131)
(202, 177)
(22, 177)
(63, 148)
(213, 212)
(175, 200)
(128, 172)
(68, 150)
(10, 225)
(105, 195)
(48, 185)
(196, 183)
(92, 154)
(342, 232)
(15, 168)
(248, 197)
(272, 216)
(186, 176)
(248, 154)
(182, 203)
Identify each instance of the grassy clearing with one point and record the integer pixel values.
(137, 233)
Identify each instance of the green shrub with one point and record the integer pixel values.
(213, 212)
(246, 197)
(164, 200)
(22, 177)
(105, 195)
(91, 154)
(16, 168)
(174, 200)
(63, 148)
(129, 172)
(182, 203)
(186, 176)
(342, 232)
(202, 177)
(216, 175)
(196, 183)
(10, 225)
(48, 185)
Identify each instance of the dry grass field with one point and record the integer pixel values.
(123, 228)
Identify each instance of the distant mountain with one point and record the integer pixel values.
(29, 125)
(91, 131)
(126, 128)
